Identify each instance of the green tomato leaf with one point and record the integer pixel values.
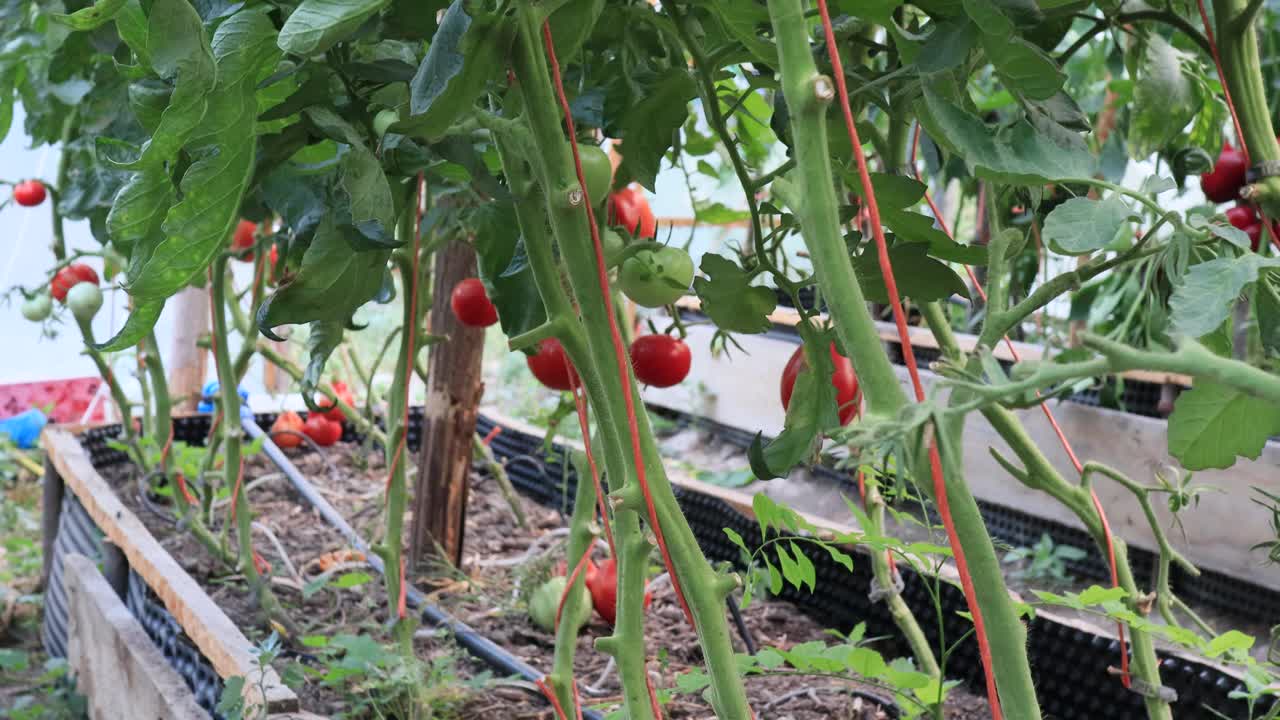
(317, 25)
(367, 188)
(647, 135)
(1023, 67)
(1164, 99)
(1017, 155)
(729, 299)
(140, 322)
(1081, 225)
(464, 53)
(332, 283)
(1204, 298)
(986, 15)
(892, 191)
(1212, 424)
(197, 227)
(744, 21)
(947, 46)
(497, 244)
(919, 276)
(100, 13)
(1268, 311)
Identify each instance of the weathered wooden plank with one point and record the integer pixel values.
(50, 515)
(205, 623)
(117, 667)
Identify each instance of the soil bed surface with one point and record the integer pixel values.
(487, 593)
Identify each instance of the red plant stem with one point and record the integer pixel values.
(573, 578)
(551, 697)
(619, 349)
(900, 318)
(1053, 422)
(491, 435)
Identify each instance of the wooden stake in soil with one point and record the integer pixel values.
(188, 362)
(449, 416)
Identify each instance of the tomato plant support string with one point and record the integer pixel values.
(1209, 35)
(891, 286)
(618, 348)
(1125, 676)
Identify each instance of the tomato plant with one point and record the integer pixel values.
(1223, 183)
(602, 583)
(29, 193)
(323, 431)
(654, 278)
(37, 308)
(70, 276)
(471, 304)
(331, 410)
(843, 379)
(629, 208)
(84, 300)
(243, 239)
(284, 428)
(660, 360)
(551, 366)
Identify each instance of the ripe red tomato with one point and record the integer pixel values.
(1246, 219)
(69, 276)
(629, 208)
(273, 257)
(660, 360)
(29, 193)
(551, 365)
(332, 411)
(471, 305)
(1223, 183)
(322, 430)
(243, 239)
(844, 380)
(287, 421)
(602, 583)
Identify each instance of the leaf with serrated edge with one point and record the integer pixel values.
(317, 25)
(1208, 291)
(1082, 225)
(1212, 424)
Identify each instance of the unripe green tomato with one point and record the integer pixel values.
(653, 278)
(545, 601)
(612, 243)
(38, 307)
(84, 299)
(598, 172)
(383, 120)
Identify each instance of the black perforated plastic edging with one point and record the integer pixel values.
(1069, 664)
(1017, 528)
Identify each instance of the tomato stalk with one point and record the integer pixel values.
(903, 617)
(627, 643)
(581, 538)
(161, 419)
(1241, 67)
(589, 343)
(231, 435)
(391, 550)
(808, 95)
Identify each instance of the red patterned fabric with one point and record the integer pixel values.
(64, 401)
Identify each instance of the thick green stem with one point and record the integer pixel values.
(392, 549)
(231, 434)
(580, 541)
(1242, 75)
(808, 94)
(704, 590)
(162, 418)
(117, 393)
(1041, 475)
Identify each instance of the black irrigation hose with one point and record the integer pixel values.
(474, 642)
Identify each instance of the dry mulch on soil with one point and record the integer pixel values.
(485, 594)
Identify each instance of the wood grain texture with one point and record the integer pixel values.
(453, 396)
(117, 667)
(205, 623)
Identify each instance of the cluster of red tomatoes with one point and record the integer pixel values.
(650, 278)
(74, 285)
(323, 427)
(1223, 184)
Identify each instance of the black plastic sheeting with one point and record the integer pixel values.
(1069, 664)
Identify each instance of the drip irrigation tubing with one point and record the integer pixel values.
(477, 644)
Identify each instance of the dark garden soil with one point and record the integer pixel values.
(486, 593)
